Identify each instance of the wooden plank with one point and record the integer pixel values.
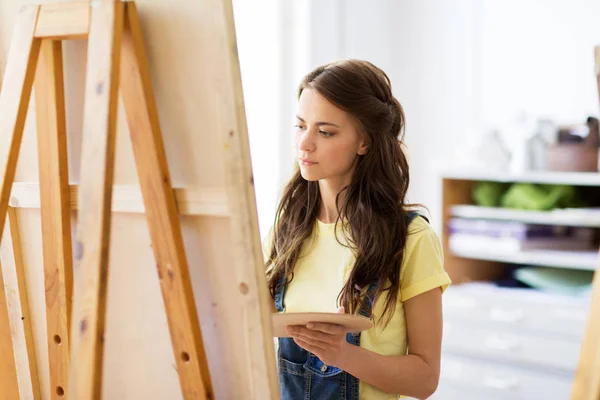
(209, 201)
(63, 20)
(161, 214)
(13, 273)
(14, 99)
(245, 242)
(55, 210)
(93, 225)
(587, 379)
(9, 387)
(10, 114)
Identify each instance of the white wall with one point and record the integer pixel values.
(538, 56)
(260, 48)
(458, 67)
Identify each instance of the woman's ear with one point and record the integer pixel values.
(363, 148)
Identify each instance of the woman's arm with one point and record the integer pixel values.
(415, 374)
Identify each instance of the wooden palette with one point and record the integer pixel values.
(352, 323)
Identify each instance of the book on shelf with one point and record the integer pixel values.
(514, 236)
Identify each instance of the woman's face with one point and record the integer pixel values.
(327, 142)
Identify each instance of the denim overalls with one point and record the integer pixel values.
(303, 376)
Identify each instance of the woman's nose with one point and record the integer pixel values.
(305, 141)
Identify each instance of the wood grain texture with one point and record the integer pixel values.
(187, 50)
(55, 210)
(93, 224)
(9, 386)
(161, 214)
(12, 114)
(587, 377)
(245, 242)
(63, 20)
(14, 99)
(207, 201)
(15, 286)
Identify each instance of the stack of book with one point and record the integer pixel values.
(513, 236)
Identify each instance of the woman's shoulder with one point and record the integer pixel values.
(418, 224)
(421, 233)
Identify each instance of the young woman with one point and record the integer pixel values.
(345, 240)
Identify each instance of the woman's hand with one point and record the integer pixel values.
(326, 341)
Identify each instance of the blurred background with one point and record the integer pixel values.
(501, 100)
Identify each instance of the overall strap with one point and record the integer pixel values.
(280, 294)
(414, 214)
(367, 308)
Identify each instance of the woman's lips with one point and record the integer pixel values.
(307, 163)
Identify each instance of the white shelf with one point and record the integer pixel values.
(549, 177)
(568, 217)
(587, 260)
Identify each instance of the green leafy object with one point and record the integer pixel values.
(525, 196)
(528, 196)
(488, 194)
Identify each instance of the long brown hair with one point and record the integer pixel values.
(373, 210)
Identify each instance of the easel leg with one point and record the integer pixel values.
(55, 210)
(96, 178)
(14, 99)
(13, 274)
(161, 213)
(9, 386)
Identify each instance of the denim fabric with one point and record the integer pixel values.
(302, 375)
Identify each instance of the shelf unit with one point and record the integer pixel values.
(464, 266)
(496, 339)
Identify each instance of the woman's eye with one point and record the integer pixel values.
(299, 127)
(326, 134)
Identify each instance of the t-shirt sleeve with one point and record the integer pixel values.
(423, 266)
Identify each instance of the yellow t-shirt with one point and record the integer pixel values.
(323, 267)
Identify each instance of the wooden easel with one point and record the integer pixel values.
(587, 377)
(116, 60)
